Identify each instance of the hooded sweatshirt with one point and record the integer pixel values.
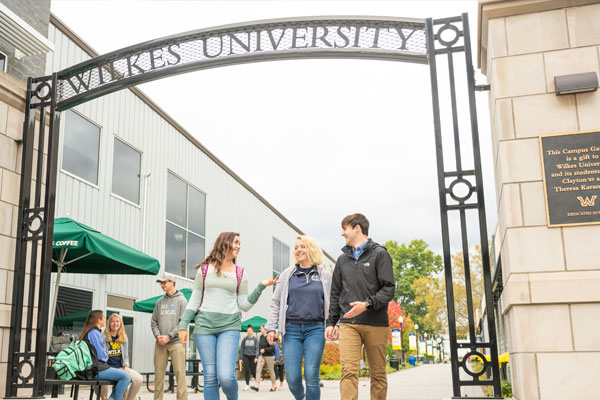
(167, 314)
(371, 277)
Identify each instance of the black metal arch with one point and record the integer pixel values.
(383, 38)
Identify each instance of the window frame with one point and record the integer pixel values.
(112, 193)
(62, 147)
(185, 229)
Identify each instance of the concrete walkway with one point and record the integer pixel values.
(426, 382)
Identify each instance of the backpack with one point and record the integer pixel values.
(74, 361)
(239, 273)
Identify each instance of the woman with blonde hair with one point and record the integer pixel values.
(299, 308)
(117, 348)
(220, 292)
(91, 335)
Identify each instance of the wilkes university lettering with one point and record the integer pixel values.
(375, 39)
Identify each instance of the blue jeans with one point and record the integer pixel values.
(308, 341)
(218, 353)
(115, 374)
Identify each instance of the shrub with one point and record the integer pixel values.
(330, 372)
(331, 354)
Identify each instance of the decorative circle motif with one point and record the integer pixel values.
(31, 223)
(466, 358)
(454, 32)
(43, 91)
(21, 365)
(454, 192)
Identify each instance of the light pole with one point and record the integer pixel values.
(417, 337)
(401, 320)
(426, 350)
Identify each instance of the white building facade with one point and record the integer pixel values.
(128, 170)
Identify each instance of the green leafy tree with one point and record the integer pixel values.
(411, 262)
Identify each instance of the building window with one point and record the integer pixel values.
(72, 308)
(185, 231)
(81, 147)
(281, 257)
(3, 62)
(126, 172)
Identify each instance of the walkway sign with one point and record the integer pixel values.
(429, 349)
(412, 341)
(396, 340)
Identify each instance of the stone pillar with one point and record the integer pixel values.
(551, 276)
(12, 105)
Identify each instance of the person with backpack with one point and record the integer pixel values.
(92, 336)
(220, 292)
(117, 348)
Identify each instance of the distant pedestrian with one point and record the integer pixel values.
(249, 355)
(165, 320)
(362, 287)
(279, 368)
(300, 307)
(117, 348)
(91, 335)
(266, 356)
(220, 292)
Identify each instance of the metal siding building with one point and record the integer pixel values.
(231, 205)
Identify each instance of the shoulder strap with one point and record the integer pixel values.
(239, 274)
(204, 270)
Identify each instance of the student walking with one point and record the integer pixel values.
(165, 320)
(249, 355)
(220, 292)
(279, 361)
(91, 335)
(117, 348)
(300, 307)
(266, 356)
(362, 287)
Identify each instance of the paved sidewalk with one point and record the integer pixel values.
(426, 382)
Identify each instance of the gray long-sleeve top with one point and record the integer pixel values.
(167, 314)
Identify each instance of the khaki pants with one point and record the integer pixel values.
(132, 390)
(161, 356)
(270, 360)
(374, 338)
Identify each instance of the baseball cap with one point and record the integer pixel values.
(167, 277)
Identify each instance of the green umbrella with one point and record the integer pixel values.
(148, 304)
(81, 316)
(256, 322)
(80, 249)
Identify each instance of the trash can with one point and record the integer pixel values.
(412, 360)
(395, 363)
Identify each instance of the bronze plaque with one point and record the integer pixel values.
(571, 171)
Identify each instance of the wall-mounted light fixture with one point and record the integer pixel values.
(576, 83)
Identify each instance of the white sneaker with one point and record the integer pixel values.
(246, 388)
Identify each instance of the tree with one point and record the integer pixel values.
(412, 262)
(460, 287)
(431, 291)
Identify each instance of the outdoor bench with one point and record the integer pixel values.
(75, 383)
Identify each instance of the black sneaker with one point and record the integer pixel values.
(273, 390)
(255, 388)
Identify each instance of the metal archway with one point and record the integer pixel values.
(381, 38)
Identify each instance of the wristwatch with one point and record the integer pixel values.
(369, 304)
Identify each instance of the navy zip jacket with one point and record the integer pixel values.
(369, 277)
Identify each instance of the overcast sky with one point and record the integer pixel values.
(319, 139)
